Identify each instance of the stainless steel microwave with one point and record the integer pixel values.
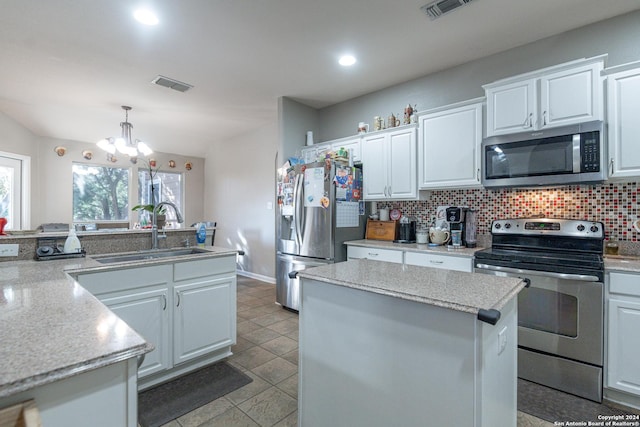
(549, 157)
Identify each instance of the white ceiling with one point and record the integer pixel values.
(66, 66)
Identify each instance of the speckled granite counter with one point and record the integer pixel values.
(629, 264)
(52, 328)
(414, 247)
(467, 292)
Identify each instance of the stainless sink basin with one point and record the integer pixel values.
(148, 255)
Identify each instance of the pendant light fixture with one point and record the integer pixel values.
(125, 144)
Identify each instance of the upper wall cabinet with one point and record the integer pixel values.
(566, 94)
(389, 164)
(449, 146)
(351, 144)
(623, 109)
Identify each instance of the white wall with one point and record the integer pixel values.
(618, 37)
(239, 182)
(17, 140)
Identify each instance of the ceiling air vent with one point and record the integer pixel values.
(171, 84)
(438, 8)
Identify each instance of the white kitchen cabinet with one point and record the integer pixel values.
(203, 321)
(311, 153)
(563, 95)
(147, 312)
(389, 164)
(361, 252)
(351, 144)
(510, 107)
(623, 371)
(446, 262)
(623, 109)
(449, 146)
(187, 310)
(141, 297)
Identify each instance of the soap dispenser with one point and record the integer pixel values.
(72, 244)
(201, 235)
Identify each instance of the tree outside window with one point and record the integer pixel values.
(100, 193)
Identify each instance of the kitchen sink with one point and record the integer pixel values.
(148, 255)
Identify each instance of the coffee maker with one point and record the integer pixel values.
(464, 220)
(406, 231)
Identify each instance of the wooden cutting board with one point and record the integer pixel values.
(381, 230)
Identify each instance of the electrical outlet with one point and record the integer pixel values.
(502, 340)
(9, 249)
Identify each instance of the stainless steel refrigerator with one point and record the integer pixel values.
(319, 208)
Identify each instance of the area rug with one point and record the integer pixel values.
(555, 406)
(168, 401)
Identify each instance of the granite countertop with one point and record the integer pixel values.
(466, 292)
(630, 264)
(52, 328)
(415, 247)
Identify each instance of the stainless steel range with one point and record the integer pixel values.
(561, 312)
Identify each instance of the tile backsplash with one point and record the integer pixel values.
(614, 204)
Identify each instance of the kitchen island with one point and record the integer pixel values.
(391, 344)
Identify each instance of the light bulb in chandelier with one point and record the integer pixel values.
(125, 144)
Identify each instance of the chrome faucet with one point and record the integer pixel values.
(154, 224)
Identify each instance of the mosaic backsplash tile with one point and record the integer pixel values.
(614, 204)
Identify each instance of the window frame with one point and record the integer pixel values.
(129, 195)
(25, 189)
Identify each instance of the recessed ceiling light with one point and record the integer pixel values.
(146, 17)
(347, 60)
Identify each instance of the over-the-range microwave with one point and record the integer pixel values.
(564, 155)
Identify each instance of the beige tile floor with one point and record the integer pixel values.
(267, 351)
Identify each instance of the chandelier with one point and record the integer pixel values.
(125, 144)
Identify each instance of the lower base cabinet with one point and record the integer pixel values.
(447, 262)
(623, 348)
(187, 310)
(193, 336)
(377, 254)
(146, 312)
(424, 259)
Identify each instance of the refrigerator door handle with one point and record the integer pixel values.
(297, 199)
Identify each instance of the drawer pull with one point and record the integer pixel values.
(436, 262)
(373, 254)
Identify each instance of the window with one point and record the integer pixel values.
(100, 193)
(14, 190)
(167, 187)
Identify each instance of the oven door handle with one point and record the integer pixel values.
(565, 276)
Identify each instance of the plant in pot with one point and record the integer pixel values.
(160, 214)
(147, 210)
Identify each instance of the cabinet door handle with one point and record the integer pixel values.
(164, 300)
(530, 119)
(544, 118)
(611, 163)
(478, 174)
(178, 296)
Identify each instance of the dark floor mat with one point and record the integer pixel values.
(553, 405)
(161, 404)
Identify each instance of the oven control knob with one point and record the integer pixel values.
(507, 225)
(497, 226)
(580, 227)
(593, 229)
